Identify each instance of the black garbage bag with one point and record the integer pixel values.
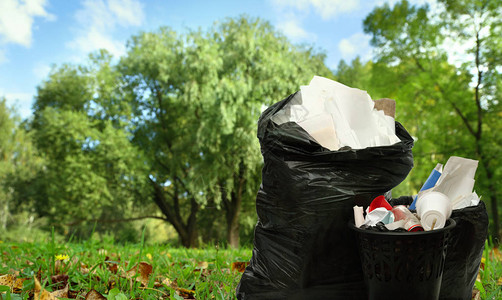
(465, 250)
(303, 247)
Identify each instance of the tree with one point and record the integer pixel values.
(19, 160)
(453, 108)
(92, 170)
(356, 74)
(197, 98)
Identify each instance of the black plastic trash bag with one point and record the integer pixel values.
(303, 247)
(465, 250)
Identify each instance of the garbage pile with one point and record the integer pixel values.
(312, 176)
(444, 191)
(327, 148)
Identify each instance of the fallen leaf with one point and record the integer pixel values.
(476, 295)
(63, 293)
(94, 295)
(59, 281)
(15, 284)
(113, 266)
(202, 265)
(185, 293)
(42, 294)
(84, 269)
(7, 280)
(142, 270)
(497, 254)
(239, 266)
(18, 284)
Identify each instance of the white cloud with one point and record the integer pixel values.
(128, 12)
(292, 29)
(99, 20)
(357, 44)
(16, 20)
(327, 9)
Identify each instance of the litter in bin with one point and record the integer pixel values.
(456, 181)
(443, 191)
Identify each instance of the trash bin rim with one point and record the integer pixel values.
(450, 224)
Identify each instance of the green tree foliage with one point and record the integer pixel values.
(447, 97)
(357, 74)
(197, 98)
(92, 171)
(19, 161)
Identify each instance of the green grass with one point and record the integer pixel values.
(206, 272)
(203, 273)
(490, 274)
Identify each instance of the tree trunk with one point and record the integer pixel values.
(232, 214)
(188, 238)
(187, 232)
(493, 202)
(233, 207)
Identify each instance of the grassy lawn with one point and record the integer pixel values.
(119, 272)
(91, 269)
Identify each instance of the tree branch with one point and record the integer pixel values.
(76, 222)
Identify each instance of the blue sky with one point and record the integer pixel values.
(36, 34)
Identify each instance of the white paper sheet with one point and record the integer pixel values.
(355, 122)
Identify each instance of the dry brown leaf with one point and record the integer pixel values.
(202, 265)
(239, 266)
(185, 293)
(476, 295)
(84, 269)
(18, 284)
(59, 281)
(497, 254)
(63, 293)
(94, 295)
(42, 294)
(142, 270)
(15, 284)
(7, 280)
(112, 266)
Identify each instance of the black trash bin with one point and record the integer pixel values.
(403, 265)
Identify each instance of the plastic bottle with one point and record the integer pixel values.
(411, 222)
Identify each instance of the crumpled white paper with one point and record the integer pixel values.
(457, 182)
(336, 116)
(379, 214)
